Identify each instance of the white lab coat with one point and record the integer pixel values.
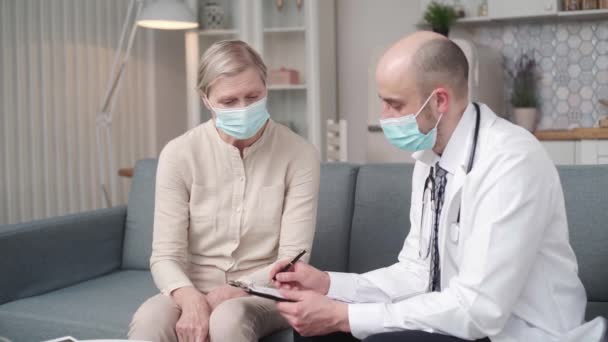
(507, 269)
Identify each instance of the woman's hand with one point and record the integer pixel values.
(193, 324)
(221, 294)
(300, 277)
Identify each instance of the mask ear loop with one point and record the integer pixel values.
(439, 120)
(424, 104)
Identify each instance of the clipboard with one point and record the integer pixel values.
(260, 291)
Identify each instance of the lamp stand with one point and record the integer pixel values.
(103, 122)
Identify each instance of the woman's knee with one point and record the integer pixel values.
(230, 318)
(155, 320)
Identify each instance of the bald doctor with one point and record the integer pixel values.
(487, 256)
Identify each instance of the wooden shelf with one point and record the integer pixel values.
(293, 29)
(573, 134)
(588, 14)
(573, 15)
(217, 32)
(473, 20)
(287, 87)
(461, 21)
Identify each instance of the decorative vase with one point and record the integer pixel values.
(526, 118)
(214, 16)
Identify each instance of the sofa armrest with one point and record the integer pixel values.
(45, 255)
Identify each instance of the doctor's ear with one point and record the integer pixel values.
(442, 100)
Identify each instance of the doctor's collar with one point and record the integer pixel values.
(455, 153)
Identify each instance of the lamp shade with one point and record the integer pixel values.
(167, 15)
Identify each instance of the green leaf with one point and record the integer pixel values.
(440, 16)
(524, 93)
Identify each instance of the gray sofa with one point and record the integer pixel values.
(84, 275)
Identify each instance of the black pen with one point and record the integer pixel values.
(291, 263)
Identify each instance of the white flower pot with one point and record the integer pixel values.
(526, 118)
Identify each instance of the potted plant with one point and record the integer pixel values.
(523, 96)
(440, 17)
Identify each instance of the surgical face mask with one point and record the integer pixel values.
(242, 123)
(404, 133)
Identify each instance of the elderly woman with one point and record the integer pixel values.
(233, 196)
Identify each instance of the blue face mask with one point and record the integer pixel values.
(403, 132)
(242, 123)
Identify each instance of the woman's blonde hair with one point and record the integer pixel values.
(227, 58)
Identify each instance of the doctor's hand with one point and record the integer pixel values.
(193, 323)
(313, 314)
(300, 277)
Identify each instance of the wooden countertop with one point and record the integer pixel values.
(573, 134)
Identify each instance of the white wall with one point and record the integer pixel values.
(363, 28)
(170, 86)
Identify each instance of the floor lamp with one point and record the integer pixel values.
(159, 14)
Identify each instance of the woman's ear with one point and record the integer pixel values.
(205, 100)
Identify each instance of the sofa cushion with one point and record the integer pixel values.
(95, 309)
(140, 217)
(334, 216)
(381, 217)
(45, 255)
(101, 308)
(586, 196)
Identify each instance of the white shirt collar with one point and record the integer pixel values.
(456, 150)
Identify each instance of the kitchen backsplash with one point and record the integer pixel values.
(572, 59)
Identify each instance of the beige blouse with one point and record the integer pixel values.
(220, 217)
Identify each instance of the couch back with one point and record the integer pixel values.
(586, 196)
(381, 217)
(363, 218)
(140, 217)
(334, 217)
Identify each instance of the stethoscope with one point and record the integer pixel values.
(429, 184)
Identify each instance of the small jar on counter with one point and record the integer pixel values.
(589, 4)
(572, 5)
(482, 10)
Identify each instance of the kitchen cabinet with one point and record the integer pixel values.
(561, 152)
(592, 152)
(521, 8)
(577, 152)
